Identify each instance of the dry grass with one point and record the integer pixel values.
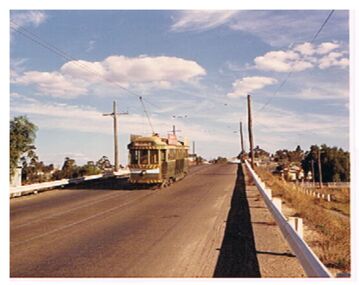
(340, 198)
(333, 243)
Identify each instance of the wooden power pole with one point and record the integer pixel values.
(114, 115)
(320, 169)
(313, 176)
(250, 129)
(241, 133)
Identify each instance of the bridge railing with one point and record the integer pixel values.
(36, 187)
(311, 264)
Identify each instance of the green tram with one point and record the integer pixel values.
(155, 160)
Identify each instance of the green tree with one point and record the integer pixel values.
(22, 136)
(70, 169)
(335, 163)
(89, 169)
(103, 163)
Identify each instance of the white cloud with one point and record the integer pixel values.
(51, 83)
(275, 27)
(326, 47)
(56, 116)
(249, 84)
(305, 48)
(276, 128)
(320, 93)
(301, 57)
(148, 69)
(200, 20)
(281, 61)
(333, 59)
(34, 18)
(275, 120)
(76, 78)
(284, 27)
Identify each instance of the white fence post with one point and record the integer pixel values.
(278, 203)
(297, 225)
(328, 198)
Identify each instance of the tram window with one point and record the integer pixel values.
(134, 156)
(153, 156)
(172, 154)
(143, 156)
(163, 155)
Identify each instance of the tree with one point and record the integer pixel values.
(33, 170)
(89, 169)
(22, 136)
(104, 163)
(284, 156)
(335, 163)
(70, 169)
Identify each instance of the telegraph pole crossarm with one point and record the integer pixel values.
(174, 131)
(114, 115)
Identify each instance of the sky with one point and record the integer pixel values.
(193, 70)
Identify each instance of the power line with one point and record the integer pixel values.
(322, 26)
(33, 37)
(291, 71)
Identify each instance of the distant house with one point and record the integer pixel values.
(293, 173)
(192, 159)
(260, 155)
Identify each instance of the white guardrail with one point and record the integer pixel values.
(307, 258)
(34, 188)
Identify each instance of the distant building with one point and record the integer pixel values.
(16, 178)
(260, 156)
(192, 159)
(293, 173)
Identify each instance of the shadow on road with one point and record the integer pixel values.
(238, 255)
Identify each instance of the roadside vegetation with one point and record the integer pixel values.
(332, 244)
(23, 154)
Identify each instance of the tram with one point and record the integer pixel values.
(156, 160)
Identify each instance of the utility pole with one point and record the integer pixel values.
(241, 132)
(250, 129)
(320, 170)
(193, 147)
(313, 178)
(174, 131)
(114, 115)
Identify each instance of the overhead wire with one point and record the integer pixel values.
(291, 70)
(35, 38)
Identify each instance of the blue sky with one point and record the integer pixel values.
(198, 64)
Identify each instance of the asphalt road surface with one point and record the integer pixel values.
(198, 227)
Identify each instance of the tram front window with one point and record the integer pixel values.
(134, 156)
(143, 156)
(154, 156)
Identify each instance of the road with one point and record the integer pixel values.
(101, 229)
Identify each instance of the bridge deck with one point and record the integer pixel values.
(208, 224)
